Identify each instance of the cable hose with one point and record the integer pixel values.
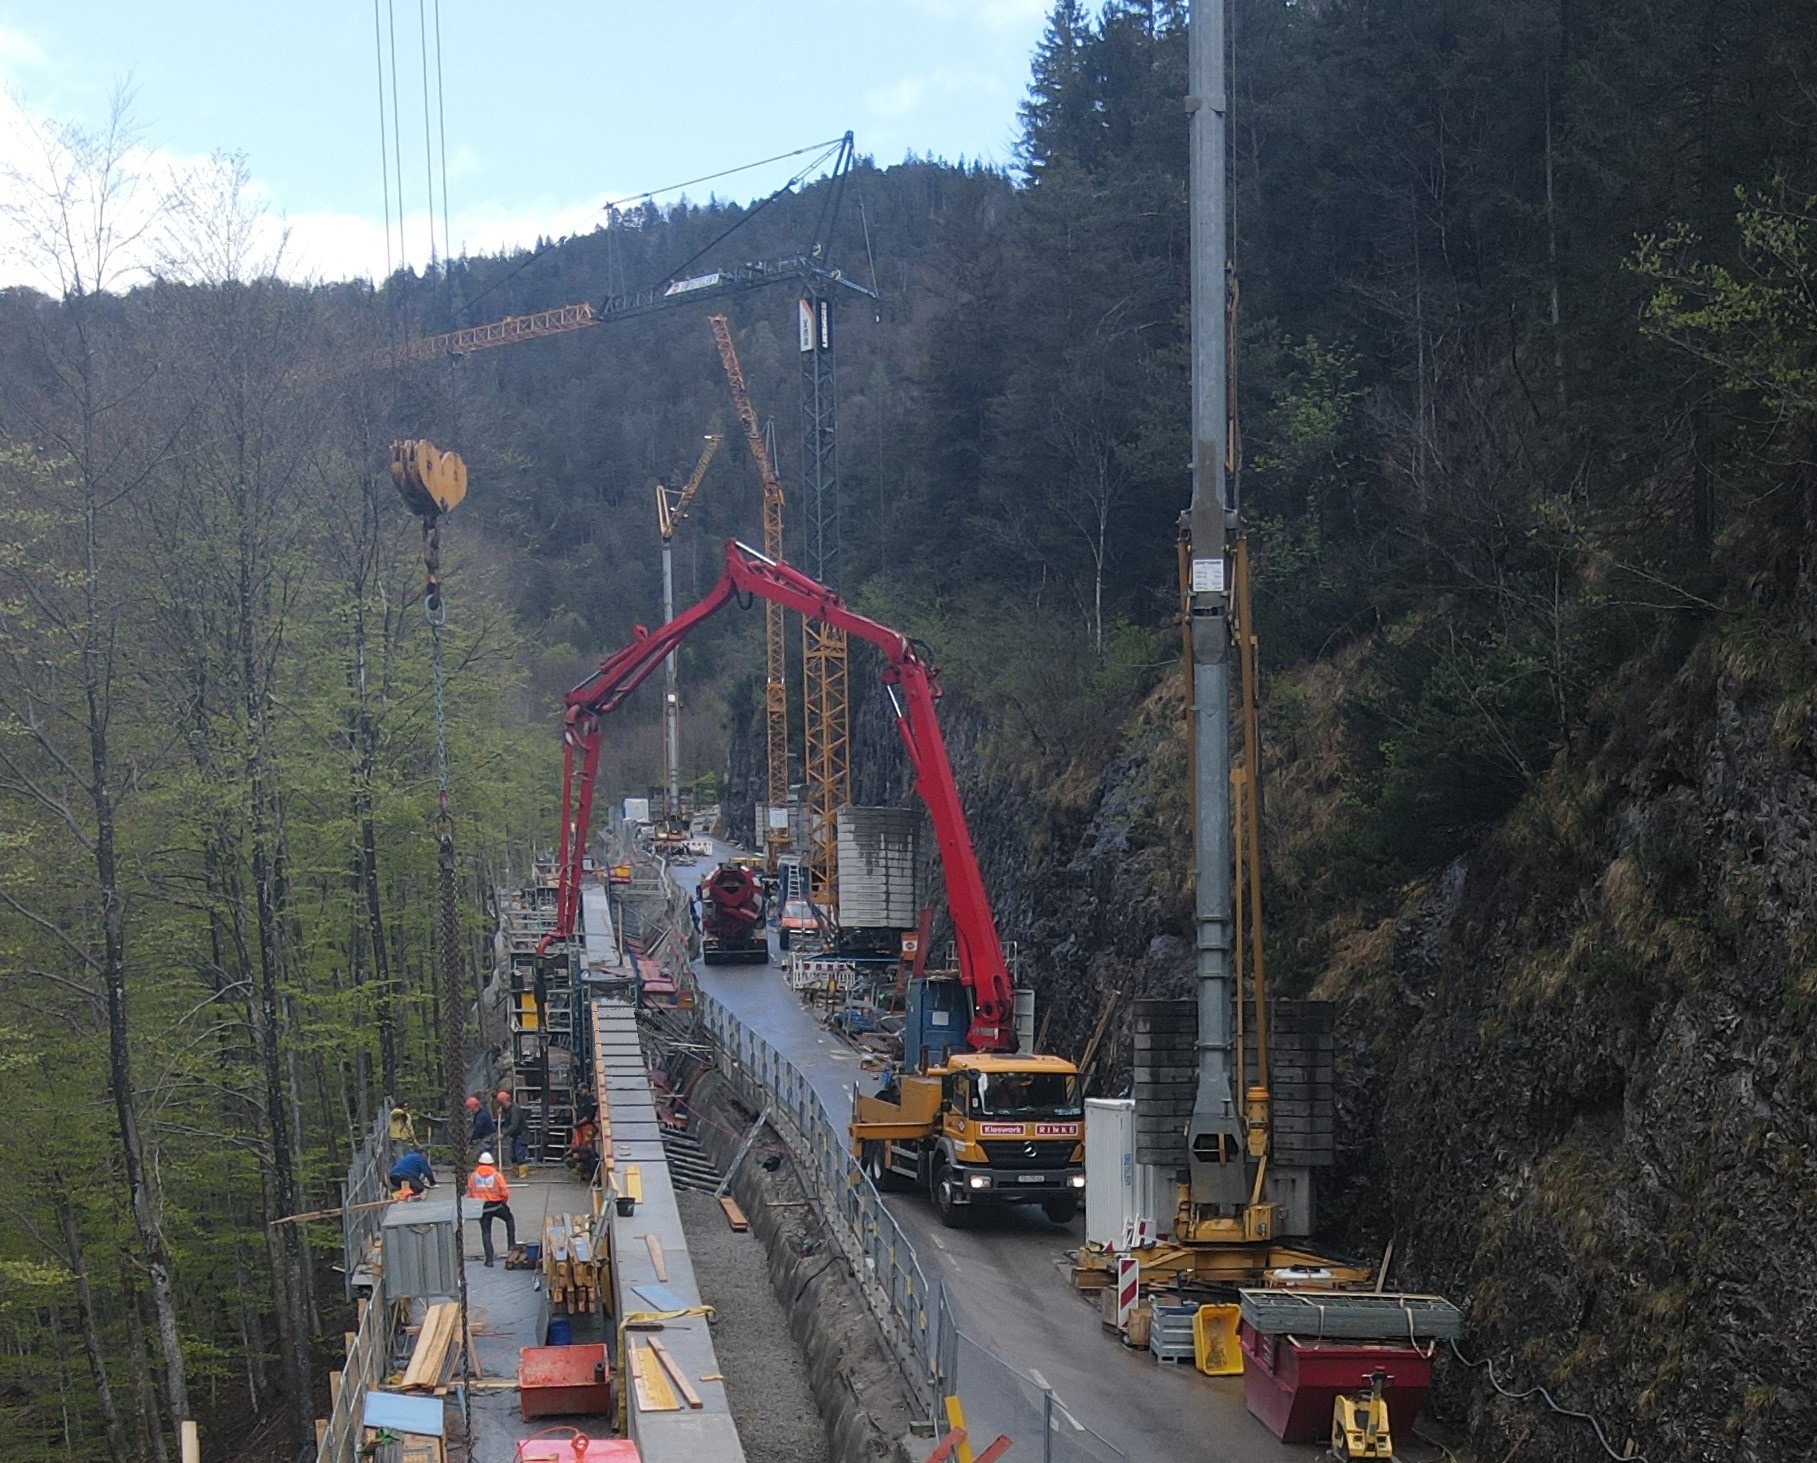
(1488, 1366)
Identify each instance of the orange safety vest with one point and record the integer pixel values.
(488, 1185)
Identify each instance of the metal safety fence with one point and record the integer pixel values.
(917, 1318)
(767, 1082)
(364, 1368)
(365, 1185)
(1000, 1401)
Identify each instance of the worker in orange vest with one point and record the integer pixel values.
(488, 1185)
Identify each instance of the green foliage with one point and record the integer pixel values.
(1755, 322)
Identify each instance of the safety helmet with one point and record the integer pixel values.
(485, 1158)
(472, 1104)
(503, 1096)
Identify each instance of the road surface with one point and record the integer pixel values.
(1004, 1281)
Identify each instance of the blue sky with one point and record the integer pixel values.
(552, 106)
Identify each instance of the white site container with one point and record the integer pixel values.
(1119, 1192)
(637, 810)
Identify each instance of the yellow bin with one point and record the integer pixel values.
(1214, 1341)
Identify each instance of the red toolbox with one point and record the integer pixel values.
(563, 1381)
(1290, 1384)
(570, 1445)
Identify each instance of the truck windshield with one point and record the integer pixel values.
(1026, 1095)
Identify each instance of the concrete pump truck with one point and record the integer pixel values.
(969, 1119)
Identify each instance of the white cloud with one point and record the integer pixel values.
(331, 244)
(908, 95)
(18, 50)
(326, 244)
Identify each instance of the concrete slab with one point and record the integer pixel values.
(509, 1310)
(709, 1434)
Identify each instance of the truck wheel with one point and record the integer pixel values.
(878, 1167)
(1062, 1208)
(952, 1214)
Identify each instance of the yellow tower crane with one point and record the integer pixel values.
(773, 826)
(669, 516)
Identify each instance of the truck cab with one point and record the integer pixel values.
(976, 1131)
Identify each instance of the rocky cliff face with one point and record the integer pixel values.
(1575, 1082)
(1580, 1093)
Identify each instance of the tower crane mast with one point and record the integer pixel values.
(669, 517)
(775, 686)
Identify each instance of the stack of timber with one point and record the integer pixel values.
(436, 1357)
(571, 1263)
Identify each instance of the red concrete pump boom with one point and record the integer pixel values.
(914, 691)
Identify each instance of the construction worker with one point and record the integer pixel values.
(402, 1129)
(488, 1185)
(483, 1126)
(411, 1175)
(511, 1134)
(582, 1157)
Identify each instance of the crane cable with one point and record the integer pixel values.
(378, 43)
(432, 484)
(821, 150)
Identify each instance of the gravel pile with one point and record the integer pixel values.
(766, 1377)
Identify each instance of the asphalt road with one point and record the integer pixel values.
(1004, 1280)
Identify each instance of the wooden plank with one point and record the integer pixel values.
(654, 1394)
(674, 1370)
(734, 1215)
(654, 1246)
(634, 1182)
(427, 1358)
(191, 1443)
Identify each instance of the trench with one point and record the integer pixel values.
(813, 1309)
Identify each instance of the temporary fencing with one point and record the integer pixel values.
(881, 1254)
(364, 1368)
(365, 1185)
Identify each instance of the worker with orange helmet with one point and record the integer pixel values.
(488, 1186)
(511, 1134)
(483, 1126)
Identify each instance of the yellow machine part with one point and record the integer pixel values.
(1359, 1427)
(431, 482)
(1214, 1340)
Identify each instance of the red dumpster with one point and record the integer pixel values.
(559, 1381)
(1290, 1384)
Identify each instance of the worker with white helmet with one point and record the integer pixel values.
(488, 1186)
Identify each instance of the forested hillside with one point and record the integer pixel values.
(1527, 402)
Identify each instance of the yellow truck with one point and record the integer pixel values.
(978, 1130)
